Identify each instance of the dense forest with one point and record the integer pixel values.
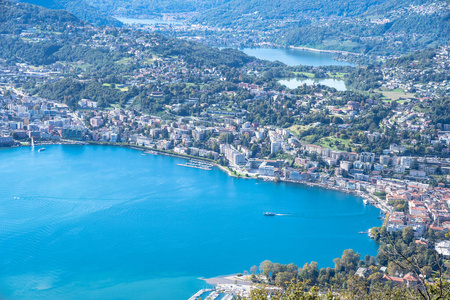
(371, 27)
(80, 9)
(16, 17)
(71, 91)
(148, 8)
(375, 27)
(398, 255)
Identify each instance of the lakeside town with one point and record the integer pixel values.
(385, 138)
(394, 182)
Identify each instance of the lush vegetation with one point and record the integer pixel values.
(71, 91)
(338, 25)
(149, 8)
(80, 9)
(16, 17)
(398, 255)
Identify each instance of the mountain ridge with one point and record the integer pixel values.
(79, 8)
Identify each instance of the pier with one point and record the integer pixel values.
(214, 295)
(199, 293)
(197, 165)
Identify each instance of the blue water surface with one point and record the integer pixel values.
(93, 222)
(294, 57)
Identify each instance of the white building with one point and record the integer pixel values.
(275, 147)
(443, 248)
(266, 170)
(234, 156)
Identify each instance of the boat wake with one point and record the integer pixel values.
(311, 215)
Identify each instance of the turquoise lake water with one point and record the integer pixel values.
(294, 57)
(92, 222)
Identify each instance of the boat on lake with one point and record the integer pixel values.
(269, 214)
(41, 149)
(151, 152)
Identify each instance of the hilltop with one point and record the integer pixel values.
(374, 27)
(380, 27)
(146, 8)
(80, 9)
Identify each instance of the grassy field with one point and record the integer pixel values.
(395, 95)
(349, 45)
(148, 61)
(296, 129)
(124, 61)
(421, 109)
(123, 89)
(307, 74)
(336, 75)
(329, 142)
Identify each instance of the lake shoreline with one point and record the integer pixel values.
(370, 198)
(297, 56)
(91, 186)
(325, 51)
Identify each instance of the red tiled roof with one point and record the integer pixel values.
(391, 278)
(436, 228)
(410, 277)
(421, 242)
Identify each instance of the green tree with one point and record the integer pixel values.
(266, 268)
(309, 272)
(408, 234)
(348, 262)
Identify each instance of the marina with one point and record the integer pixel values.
(197, 165)
(200, 293)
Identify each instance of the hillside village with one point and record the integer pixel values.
(394, 182)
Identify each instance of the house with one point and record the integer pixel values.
(409, 279)
(363, 272)
(443, 248)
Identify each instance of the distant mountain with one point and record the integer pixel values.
(146, 8)
(238, 11)
(80, 9)
(369, 26)
(16, 17)
(378, 27)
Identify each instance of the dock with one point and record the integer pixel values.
(214, 295)
(201, 162)
(194, 166)
(197, 165)
(199, 293)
